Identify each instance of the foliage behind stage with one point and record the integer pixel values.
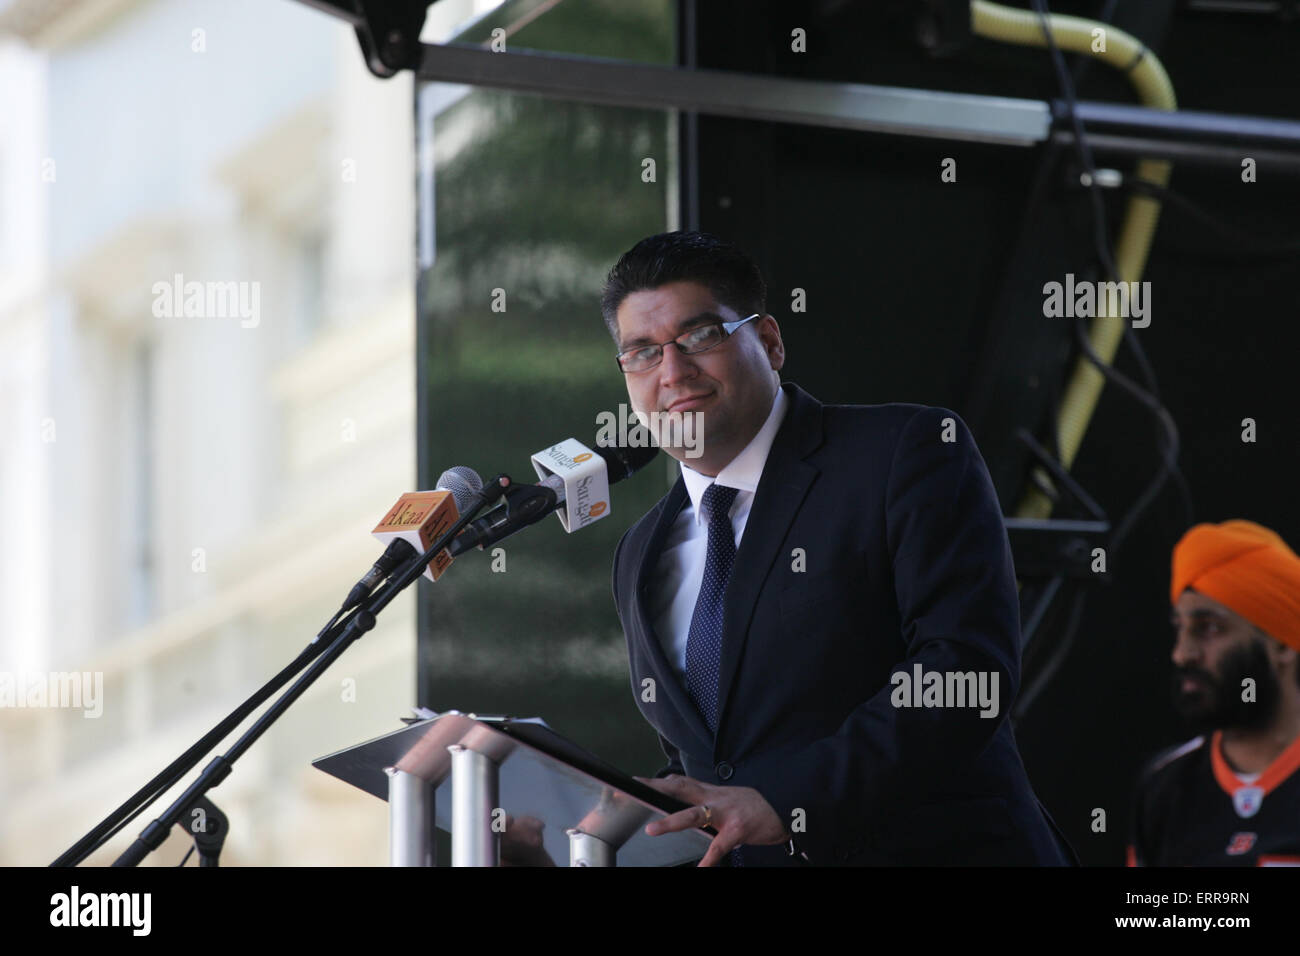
(531, 201)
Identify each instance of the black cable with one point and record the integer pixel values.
(190, 854)
(1169, 450)
(1083, 63)
(1061, 650)
(1149, 399)
(1264, 247)
(1148, 374)
(1144, 365)
(1167, 433)
(1168, 430)
(1100, 231)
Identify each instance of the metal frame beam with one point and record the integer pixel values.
(1110, 127)
(388, 33)
(857, 106)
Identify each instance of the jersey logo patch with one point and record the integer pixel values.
(1246, 800)
(1240, 843)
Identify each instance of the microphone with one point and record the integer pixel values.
(574, 475)
(462, 484)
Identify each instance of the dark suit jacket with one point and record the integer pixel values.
(906, 562)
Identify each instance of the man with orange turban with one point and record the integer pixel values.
(1230, 796)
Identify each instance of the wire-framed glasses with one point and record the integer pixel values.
(642, 358)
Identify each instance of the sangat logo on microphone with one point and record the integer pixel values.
(561, 458)
(588, 510)
(586, 481)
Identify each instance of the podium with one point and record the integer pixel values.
(463, 773)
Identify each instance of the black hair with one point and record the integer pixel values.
(732, 276)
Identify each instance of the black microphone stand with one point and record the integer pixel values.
(107, 828)
(208, 842)
(358, 624)
(211, 834)
(524, 505)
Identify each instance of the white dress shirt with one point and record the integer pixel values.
(680, 571)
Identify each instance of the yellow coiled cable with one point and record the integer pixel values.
(1125, 52)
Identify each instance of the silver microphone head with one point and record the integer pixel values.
(463, 483)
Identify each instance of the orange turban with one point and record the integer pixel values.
(1245, 567)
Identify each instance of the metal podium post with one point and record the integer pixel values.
(412, 810)
(587, 850)
(475, 779)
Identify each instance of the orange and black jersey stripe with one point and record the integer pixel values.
(1191, 809)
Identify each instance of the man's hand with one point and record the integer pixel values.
(739, 814)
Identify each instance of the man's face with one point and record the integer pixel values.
(730, 386)
(1215, 649)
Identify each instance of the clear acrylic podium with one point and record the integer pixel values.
(464, 773)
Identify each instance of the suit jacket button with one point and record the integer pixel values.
(724, 770)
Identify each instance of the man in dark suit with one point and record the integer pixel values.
(821, 615)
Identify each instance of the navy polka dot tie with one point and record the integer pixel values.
(704, 642)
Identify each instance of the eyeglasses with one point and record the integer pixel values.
(642, 358)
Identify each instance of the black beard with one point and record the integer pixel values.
(1218, 704)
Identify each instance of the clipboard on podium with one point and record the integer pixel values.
(469, 774)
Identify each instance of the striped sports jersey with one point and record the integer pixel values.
(1192, 809)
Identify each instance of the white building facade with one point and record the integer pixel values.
(188, 482)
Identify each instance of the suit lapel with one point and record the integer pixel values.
(780, 493)
(665, 677)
